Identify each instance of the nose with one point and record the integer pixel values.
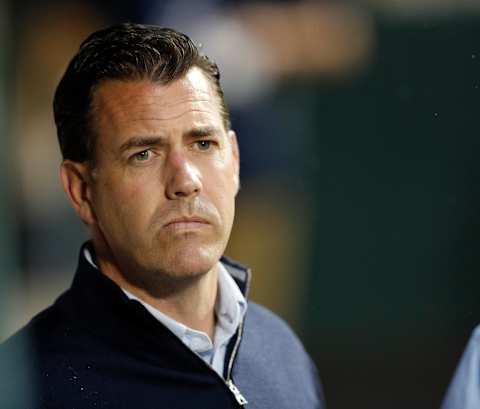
(183, 177)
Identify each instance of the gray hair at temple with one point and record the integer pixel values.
(122, 52)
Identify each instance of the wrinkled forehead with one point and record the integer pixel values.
(123, 102)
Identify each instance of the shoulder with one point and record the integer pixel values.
(261, 317)
(475, 338)
(471, 355)
(27, 354)
(472, 350)
(43, 331)
(464, 390)
(266, 329)
(273, 362)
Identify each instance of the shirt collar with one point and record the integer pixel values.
(230, 308)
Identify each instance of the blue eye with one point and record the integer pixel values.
(142, 156)
(203, 145)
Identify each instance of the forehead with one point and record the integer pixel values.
(124, 106)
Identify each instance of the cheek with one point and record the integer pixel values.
(124, 199)
(224, 168)
(137, 185)
(133, 192)
(221, 188)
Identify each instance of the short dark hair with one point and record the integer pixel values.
(123, 52)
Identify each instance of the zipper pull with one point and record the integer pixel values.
(238, 395)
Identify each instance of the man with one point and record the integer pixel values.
(156, 317)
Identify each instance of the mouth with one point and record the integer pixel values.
(182, 223)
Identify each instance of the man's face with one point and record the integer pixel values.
(166, 176)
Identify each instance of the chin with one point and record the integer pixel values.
(189, 262)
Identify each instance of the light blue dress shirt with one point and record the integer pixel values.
(464, 390)
(230, 308)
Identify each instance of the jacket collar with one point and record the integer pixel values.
(98, 305)
(240, 273)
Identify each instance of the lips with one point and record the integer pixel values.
(186, 221)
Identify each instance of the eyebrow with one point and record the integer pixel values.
(141, 141)
(155, 140)
(202, 131)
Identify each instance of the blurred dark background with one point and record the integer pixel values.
(360, 202)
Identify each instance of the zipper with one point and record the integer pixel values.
(241, 400)
(238, 396)
(236, 392)
(229, 382)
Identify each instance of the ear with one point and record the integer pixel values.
(77, 184)
(236, 158)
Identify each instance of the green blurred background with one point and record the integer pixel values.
(359, 208)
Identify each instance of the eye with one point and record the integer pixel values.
(142, 156)
(203, 145)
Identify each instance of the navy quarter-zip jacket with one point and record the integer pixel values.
(95, 348)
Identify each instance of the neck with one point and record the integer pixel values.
(189, 301)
